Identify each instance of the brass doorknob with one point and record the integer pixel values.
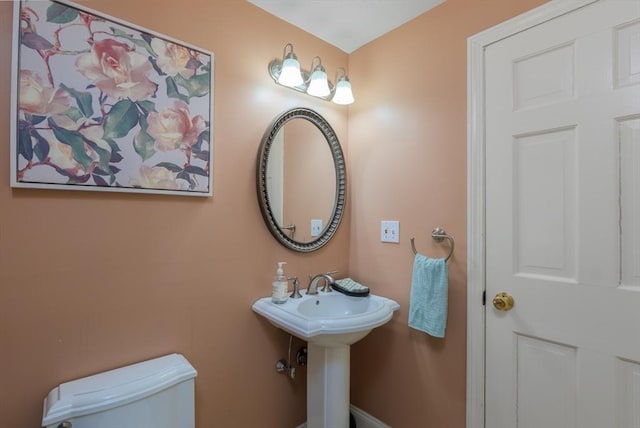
(503, 302)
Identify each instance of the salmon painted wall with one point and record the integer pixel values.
(407, 151)
(91, 281)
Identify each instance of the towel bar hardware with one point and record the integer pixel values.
(438, 235)
(291, 228)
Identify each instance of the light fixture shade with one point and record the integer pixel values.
(343, 94)
(290, 74)
(318, 84)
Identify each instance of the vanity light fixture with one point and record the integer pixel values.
(287, 72)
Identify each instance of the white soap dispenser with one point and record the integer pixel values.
(279, 292)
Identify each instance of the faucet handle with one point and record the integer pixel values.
(296, 288)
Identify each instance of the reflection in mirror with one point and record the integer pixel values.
(301, 180)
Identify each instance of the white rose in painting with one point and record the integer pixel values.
(172, 59)
(158, 178)
(40, 98)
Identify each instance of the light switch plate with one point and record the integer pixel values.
(390, 231)
(316, 227)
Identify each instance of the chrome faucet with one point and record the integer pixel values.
(313, 282)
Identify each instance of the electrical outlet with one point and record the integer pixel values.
(390, 231)
(316, 227)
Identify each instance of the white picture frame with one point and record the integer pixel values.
(101, 104)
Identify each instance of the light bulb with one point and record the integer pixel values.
(318, 85)
(343, 94)
(290, 74)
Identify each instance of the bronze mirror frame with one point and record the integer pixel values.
(341, 179)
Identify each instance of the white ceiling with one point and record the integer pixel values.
(347, 24)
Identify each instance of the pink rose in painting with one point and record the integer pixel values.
(172, 58)
(173, 128)
(117, 70)
(38, 97)
(158, 178)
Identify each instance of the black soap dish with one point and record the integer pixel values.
(350, 287)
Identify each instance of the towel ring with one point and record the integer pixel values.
(438, 235)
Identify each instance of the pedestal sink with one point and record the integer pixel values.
(330, 322)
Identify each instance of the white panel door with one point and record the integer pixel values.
(563, 222)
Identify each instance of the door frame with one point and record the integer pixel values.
(476, 145)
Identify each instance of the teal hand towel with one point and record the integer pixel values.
(429, 295)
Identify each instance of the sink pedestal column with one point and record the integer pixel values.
(328, 386)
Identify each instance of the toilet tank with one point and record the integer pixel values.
(157, 393)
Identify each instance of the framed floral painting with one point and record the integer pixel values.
(99, 104)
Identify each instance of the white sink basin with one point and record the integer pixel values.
(328, 319)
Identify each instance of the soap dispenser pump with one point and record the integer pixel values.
(280, 285)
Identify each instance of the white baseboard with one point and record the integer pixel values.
(363, 419)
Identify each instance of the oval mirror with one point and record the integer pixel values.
(301, 180)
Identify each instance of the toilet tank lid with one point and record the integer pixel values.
(115, 388)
